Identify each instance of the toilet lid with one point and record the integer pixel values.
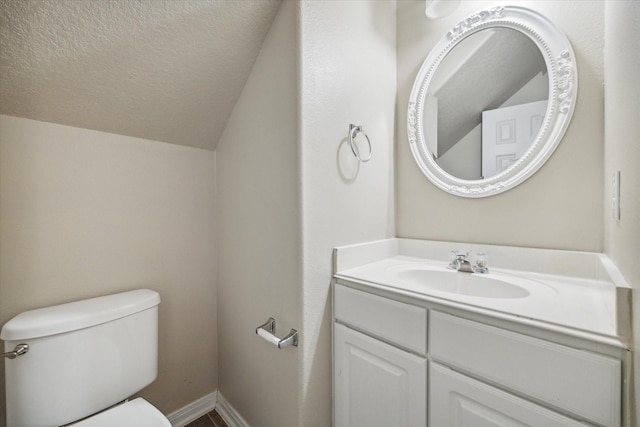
(134, 413)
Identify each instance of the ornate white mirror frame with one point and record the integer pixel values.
(562, 73)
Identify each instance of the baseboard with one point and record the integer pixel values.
(193, 410)
(229, 414)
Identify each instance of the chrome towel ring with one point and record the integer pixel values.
(353, 132)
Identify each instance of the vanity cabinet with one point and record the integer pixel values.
(399, 363)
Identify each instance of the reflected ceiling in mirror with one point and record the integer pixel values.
(491, 101)
(486, 74)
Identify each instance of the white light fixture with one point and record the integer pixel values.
(435, 9)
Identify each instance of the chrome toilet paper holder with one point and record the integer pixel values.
(269, 328)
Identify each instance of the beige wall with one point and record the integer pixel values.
(622, 151)
(259, 241)
(289, 190)
(86, 213)
(561, 205)
(347, 75)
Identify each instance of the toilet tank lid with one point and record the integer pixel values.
(77, 315)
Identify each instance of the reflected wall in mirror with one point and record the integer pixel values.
(487, 100)
(491, 101)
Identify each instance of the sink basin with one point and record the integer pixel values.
(469, 284)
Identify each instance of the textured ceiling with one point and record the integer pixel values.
(166, 70)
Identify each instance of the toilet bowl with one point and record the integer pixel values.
(84, 357)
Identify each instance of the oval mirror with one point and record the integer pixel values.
(492, 101)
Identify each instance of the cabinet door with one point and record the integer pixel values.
(460, 401)
(377, 384)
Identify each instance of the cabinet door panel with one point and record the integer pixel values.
(460, 401)
(377, 384)
(581, 382)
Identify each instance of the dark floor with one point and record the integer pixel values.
(212, 419)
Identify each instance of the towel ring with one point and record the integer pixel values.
(353, 132)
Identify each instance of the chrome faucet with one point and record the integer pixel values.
(460, 262)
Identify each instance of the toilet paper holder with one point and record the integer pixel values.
(268, 329)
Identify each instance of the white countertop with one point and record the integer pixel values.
(580, 300)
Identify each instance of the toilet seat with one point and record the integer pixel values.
(134, 413)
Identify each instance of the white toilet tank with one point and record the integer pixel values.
(83, 357)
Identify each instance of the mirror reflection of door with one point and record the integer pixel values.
(491, 69)
(507, 133)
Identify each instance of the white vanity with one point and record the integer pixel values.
(539, 340)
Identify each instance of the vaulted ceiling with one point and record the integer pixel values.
(165, 70)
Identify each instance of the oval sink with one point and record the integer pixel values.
(475, 285)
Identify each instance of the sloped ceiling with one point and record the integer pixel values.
(165, 70)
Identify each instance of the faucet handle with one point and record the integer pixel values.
(453, 260)
(462, 256)
(480, 265)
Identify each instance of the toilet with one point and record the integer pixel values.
(84, 360)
